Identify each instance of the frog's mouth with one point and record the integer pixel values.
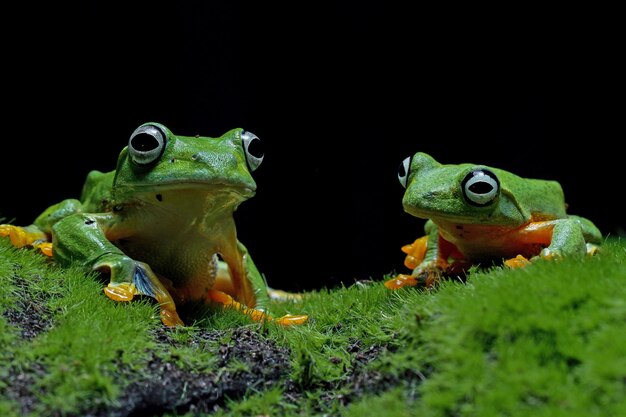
(215, 189)
(213, 186)
(189, 201)
(452, 217)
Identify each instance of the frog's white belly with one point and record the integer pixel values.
(179, 233)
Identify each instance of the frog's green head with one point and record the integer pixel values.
(155, 158)
(464, 193)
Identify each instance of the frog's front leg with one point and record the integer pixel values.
(27, 236)
(427, 256)
(82, 239)
(37, 235)
(240, 285)
(570, 236)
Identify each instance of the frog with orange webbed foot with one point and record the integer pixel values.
(161, 225)
(478, 214)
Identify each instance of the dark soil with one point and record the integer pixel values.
(30, 317)
(166, 387)
(30, 314)
(21, 386)
(357, 380)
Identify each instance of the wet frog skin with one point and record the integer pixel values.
(162, 223)
(480, 214)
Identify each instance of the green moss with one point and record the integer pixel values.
(548, 340)
(89, 335)
(393, 403)
(545, 340)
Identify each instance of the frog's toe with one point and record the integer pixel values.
(170, 318)
(518, 262)
(44, 247)
(125, 292)
(226, 300)
(21, 236)
(220, 297)
(122, 291)
(402, 280)
(592, 249)
(425, 278)
(291, 320)
(130, 278)
(550, 254)
(16, 234)
(415, 252)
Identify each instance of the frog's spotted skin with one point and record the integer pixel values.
(162, 223)
(476, 213)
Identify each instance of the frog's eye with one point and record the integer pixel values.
(254, 149)
(480, 187)
(146, 144)
(403, 171)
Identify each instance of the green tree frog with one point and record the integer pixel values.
(479, 214)
(162, 224)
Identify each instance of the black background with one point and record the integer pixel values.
(340, 94)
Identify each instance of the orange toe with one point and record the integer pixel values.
(400, 281)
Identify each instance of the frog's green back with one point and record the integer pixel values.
(537, 199)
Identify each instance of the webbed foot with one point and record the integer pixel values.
(402, 280)
(415, 252)
(226, 300)
(130, 278)
(549, 254)
(425, 277)
(24, 236)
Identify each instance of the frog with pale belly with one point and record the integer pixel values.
(478, 214)
(162, 224)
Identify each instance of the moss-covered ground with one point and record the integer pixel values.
(547, 340)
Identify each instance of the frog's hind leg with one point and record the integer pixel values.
(27, 236)
(224, 290)
(224, 283)
(239, 283)
(428, 257)
(280, 295)
(226, 300)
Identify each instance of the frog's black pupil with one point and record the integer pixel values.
(481, 187)
(401, 170)
(255, 148)
(144, 142)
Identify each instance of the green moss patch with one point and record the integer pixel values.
(548, 340)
